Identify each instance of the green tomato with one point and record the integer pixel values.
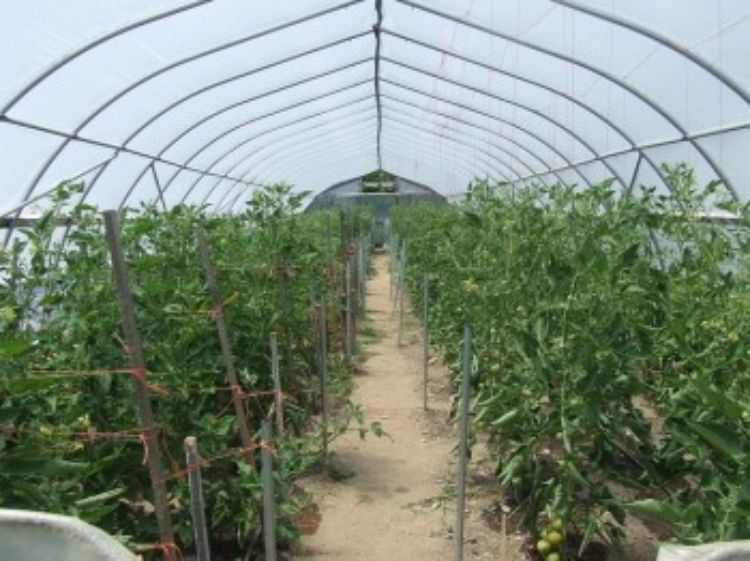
(543, 547)
(553, 557)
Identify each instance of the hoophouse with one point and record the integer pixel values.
(203, 199)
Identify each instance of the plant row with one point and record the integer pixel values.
(611, 352)
(68, 419)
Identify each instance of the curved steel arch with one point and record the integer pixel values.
(472, 146)
(511, 124)
(362, 144)
(487, 130)
(93, 44)
(354, 144)
(181, 62)
(270, 144)
(463, 163)
(664, 41)
(314, 154)
(520, 105)
(251, 99)
(430, 113)
(591, 68)
(577, 102)
(254, 120)
(274, 145)
(487, 159)
(293, 123)
(455, 157)
(277, 128)
(360, 118)
(158, 115)
(541, 85)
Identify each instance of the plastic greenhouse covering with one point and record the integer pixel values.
(203, 101)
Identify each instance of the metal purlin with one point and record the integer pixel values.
(376, 77)
(196, 56)
(276, 128)
(244, 158)
(378, 95)
(229, 80)
(591, 68)
(492, 117)
(554, 91)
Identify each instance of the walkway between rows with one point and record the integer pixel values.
(399, 502)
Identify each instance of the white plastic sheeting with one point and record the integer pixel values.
(203, 101)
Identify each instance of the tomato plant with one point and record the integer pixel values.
(612, 347)
(68, 442)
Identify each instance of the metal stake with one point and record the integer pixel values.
(197, 504)
(348, 345)
(425, 338)
(463, 429)
(137, 362)
(324, 374)
(277, 384)
(401, 290)
(269, 497)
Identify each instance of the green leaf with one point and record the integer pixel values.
(721, 439)
(662, 511)
(51, 468)
(100, 498)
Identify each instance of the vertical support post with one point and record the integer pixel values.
(463, 430)
(269, 497)
(391, 262)
(401, 290)
(425, 337)
(226, 346)
(137, 362)
(324, 374)
(197, 503)
(349, 334)
(363, 268)
(278, 401)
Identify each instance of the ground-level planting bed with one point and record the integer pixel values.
(611, 353)
(72, 438)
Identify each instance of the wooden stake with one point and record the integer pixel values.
(137, 362)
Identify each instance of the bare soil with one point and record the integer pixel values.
(400, 501)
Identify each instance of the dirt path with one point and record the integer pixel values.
(399, 502)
